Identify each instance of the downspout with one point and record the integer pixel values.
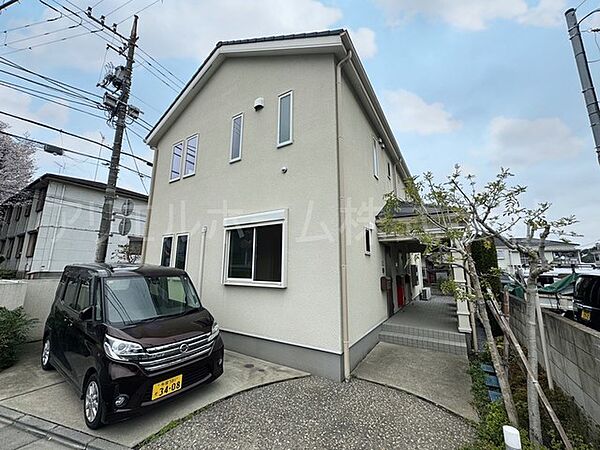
(342, 221)
(149, 205)
(202, 253)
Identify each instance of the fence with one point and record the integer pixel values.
(573, 353)
(35, 296)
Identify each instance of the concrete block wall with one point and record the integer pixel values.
(574, 355)
(35, 296)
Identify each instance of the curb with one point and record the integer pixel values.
(48, 430)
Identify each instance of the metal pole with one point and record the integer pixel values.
(111, 185)
(587, 85)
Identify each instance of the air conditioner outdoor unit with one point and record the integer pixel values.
(426, 293)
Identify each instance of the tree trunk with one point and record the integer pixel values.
(533, 406)
(509, 404)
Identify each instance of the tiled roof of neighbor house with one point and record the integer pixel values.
(535, 242)
(407, 209)
(44, 179)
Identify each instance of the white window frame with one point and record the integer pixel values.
(184, 155)
(176, 246)
(162, 244)
(182, 142)
(368, 232)
(376, 158)
(277, 217)
(291, 139)
(239, 158)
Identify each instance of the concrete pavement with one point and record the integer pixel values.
(441, 378)
(26, 389)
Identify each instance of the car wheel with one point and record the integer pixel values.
(93, 406)
(46, 354)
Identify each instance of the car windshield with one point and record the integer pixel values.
(131, 300)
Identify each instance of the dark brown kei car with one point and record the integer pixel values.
(129, 337)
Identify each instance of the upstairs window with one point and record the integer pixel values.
(237, 127)
(284, 123)
(368, 237)
(375, 158)
(167, 245)
(28, 209)
(9, 248)
(8, 214)
(191, 149)
(20, 243)
(181, 251)
(389, 170)
(31, 243)
(40, 200)
(18, 213)
(176, 161)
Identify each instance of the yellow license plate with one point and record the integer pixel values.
(586, 315)
(166, 387)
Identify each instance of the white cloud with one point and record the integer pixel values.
(520, 142)
(474, 15)
(364, 41)
(185, 29)
(407, 112)
(21, 104)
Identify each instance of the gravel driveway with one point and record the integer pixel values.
(317, 413)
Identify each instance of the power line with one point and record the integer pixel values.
(141, 174)
(134, 161)
(31, 47)
(29, 25)
(118, 8)
(34, 122)
(139, 11)
(46, 33)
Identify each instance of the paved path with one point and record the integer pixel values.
(26, 389)
(314, 413)
(441, 378)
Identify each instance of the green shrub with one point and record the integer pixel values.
(6, 274)
(14, 329)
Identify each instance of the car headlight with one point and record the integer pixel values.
(215, 330)
(122, 350)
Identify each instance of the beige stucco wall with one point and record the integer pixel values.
(307, 312)
(364, 192)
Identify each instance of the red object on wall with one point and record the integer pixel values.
(400, 291)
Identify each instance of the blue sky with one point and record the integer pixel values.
(480, 83)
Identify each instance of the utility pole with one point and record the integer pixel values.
(589, 94)
(120, 111)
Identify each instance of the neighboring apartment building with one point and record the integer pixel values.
(560, 253)
(54, 221)
(271, 146)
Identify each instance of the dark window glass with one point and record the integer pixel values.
(135, 245)
(165, 259)
(367, 240)
(181, 252)
(240, 253)
(83, 298)
(11, 243)
(176, 161)
(2, 245)
(20, 242)
(285, 118)
(70, 297)
(191, 149)
(236, 138)
(8, 214)
(31, 243)
(18, 213)
(268, 253)
(97, 302)
(28, 209)
(40, 200)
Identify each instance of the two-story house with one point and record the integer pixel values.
(270, 168)
(54, 221)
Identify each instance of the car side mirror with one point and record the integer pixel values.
(86, 313)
